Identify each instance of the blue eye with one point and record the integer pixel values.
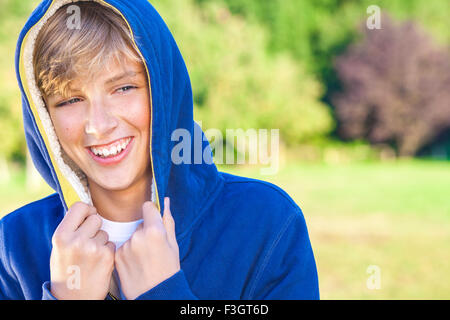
(126, 88)
(71, 101)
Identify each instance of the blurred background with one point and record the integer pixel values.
(362, 104)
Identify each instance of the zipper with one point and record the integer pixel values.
(113, 297)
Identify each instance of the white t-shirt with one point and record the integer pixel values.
(119, 232)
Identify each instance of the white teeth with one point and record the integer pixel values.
(105, 152)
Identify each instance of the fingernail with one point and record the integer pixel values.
(167, 202)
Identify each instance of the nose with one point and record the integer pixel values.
(99, 121)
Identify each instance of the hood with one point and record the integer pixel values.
(191, 186)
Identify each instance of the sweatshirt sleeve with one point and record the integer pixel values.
(288, 271)
(175, 287)
(9, 288)
(8, 285)
(46, 293)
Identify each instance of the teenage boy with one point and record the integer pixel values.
(100, 102)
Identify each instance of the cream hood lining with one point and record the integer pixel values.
(68, 168)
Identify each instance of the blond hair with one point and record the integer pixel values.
(62, 54)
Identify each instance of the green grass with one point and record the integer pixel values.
(14, 193)
(399, 188)
(395, 215)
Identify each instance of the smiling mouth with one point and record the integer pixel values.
(111, 150)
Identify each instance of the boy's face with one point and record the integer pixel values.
(100, 118)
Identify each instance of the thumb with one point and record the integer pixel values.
(169, 222)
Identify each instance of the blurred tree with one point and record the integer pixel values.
(236, 83)
(439, 148)
(316, 31)
(12, 140)
(396, 88)
(233, 76)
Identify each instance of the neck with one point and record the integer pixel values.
(122, 205)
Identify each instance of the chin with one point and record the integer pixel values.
(113, 184)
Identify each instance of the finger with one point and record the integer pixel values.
(75, 216)
(139, 227)
(101, 237)
(121, 256)
(90, 226)
(111, 246)
(119, 262)
(169, 222)
(150, 214)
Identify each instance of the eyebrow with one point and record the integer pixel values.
(121, 76)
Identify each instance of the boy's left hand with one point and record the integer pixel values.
(151, 255)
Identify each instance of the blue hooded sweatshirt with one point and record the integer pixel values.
(239, 238)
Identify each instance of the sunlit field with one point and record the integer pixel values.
(394, 215)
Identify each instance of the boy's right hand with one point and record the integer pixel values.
(82, 259)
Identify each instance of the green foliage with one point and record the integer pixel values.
(12, 17)
(314, 31)
(253, 63)
(236, 83)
